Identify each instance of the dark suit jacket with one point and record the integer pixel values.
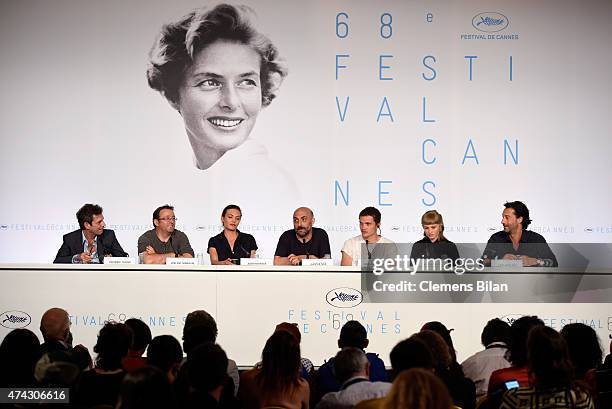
(73, 244)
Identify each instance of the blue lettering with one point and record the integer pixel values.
(424, 110)
(342, 113)
(338, 188)
(471, 58)
(433, 197)
(432, 161)
(381, 67)
(470, 146)
(515, 157)
(434, 74)
(381, 192)
(338, 66)
(384, 103)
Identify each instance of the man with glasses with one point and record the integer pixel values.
(164, 241)
(91, 242)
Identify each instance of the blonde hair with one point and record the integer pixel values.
(418, 388)
(433, 217)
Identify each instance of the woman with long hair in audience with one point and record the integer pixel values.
(417, 388)
(461, 389)
(517, 355)
(585, 353)
(146, 388)
(19, 352)
(551, 374)
(100, 385)
(276, 381)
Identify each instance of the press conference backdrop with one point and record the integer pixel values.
(407, 106)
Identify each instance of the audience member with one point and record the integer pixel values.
(306, 366)
(141, 336)
(608, 360)
(553, 376)
(165, 353)
(55, 329)
(407, 354)
(145, 388)
(584, 349)
(519, 330)
(410, 353)
(19, 352)
(206, 331)
(57, 369)
(417, 389)
(207, 374)
(479, 367)
(462, 389)
(100, 386)
(444, 332)
(353, 334)
(352, 371)
(276, 381)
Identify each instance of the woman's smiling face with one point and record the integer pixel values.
(220, 98)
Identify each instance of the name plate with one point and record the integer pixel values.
(180, 261)
(318, 262)
(256, 262)
(119, 260)
(506, 263)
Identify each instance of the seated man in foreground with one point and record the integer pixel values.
(91, 243)
(515, 242)
(164, 240)
(304, 241)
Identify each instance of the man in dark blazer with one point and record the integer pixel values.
(91, 242)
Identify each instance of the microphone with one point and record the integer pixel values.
(306, 247)
(248, 254)
(368, 250)
(172, 246)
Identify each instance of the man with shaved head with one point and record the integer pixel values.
(55, 329)
(304, 241)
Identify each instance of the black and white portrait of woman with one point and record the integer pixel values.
(218, 72)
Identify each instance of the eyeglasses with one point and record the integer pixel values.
(168, 219)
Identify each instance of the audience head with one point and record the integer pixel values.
(55, 326)
(141, 335)
(112, 345)
(353, 334)
(440, 354)
(165, 352)
(496, 330)
(410, 353)
(196, 335)
(519, 330)
(201, 317)
(280, 363)
(206, 333)
(57, 369)
(145, 388)
(548, 358)
(418, 389)
(583, 345)
(444, 332)
(207, 367)
(351, 362)
(290, 328)
(19, 352)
